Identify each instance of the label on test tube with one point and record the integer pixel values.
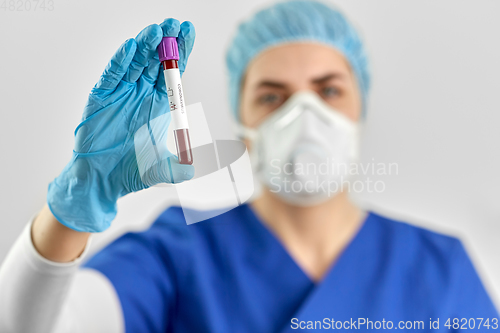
(176, 98)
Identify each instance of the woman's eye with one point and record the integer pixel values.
(269, 99)
(330, 92)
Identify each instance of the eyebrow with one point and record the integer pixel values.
(328, 77)
(280, 85)
(271, 84)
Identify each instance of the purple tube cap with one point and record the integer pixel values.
(168, 49)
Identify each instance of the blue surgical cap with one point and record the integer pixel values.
(294, 21)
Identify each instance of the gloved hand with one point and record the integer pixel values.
(129, 95)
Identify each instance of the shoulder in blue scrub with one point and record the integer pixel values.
(230, 274)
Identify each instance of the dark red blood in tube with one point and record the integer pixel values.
(168, 64)
(183, 145)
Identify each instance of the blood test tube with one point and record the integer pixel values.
(168, 53)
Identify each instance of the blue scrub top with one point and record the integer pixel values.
(231, 274)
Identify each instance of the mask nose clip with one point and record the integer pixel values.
(295, 112)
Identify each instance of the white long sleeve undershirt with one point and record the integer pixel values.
(38, 295)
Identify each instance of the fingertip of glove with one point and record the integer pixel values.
(170, 27)
(187, 30)
(128, 46)
(188, 172)
(184, 172)
(151, 36)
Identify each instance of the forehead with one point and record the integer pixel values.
(296, 62)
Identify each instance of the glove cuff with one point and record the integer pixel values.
(79, 207)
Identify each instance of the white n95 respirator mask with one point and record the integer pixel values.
(303, 151)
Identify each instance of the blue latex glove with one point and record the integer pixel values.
(129, 94)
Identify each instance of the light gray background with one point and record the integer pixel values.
(434, 106)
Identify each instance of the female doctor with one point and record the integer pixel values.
(300, 257)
